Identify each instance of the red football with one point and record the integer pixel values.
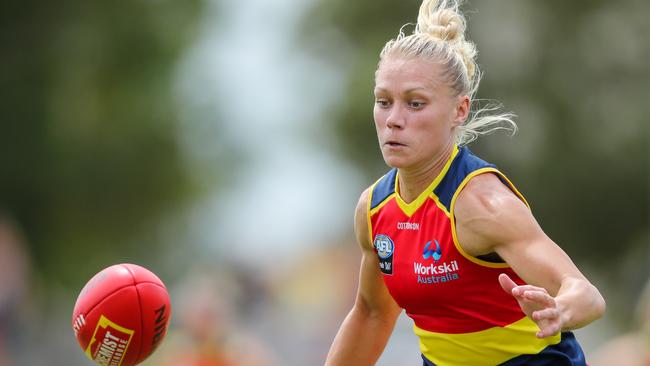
(121, 315)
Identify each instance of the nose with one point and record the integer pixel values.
(396, 118)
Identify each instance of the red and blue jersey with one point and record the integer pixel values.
(461, 314)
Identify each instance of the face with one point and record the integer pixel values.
(415, 112)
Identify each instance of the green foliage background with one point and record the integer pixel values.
(88, 144)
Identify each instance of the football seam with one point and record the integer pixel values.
(137, 291)
(116, 290)
(103, 298)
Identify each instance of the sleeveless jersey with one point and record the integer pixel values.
(461, 314)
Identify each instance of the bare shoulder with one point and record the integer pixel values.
(486, 214)
(361, 228)
(362, 204)
(486, 193)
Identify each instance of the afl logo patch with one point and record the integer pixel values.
(385, 248)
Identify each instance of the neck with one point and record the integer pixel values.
(413, 181)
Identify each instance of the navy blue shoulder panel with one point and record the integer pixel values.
(384, 188)
(464, 164)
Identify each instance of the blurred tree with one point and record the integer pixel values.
(88, 144)
(577, 70)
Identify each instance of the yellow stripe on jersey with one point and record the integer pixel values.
(439, 204)
(379, 206)
(368, 214)
(484, 348)
(454, 235)
(410, 208)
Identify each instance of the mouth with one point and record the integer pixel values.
(392, 143)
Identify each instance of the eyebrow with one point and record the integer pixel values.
(407, 91)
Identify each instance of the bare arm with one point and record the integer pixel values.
(366, 329)
(491, 218)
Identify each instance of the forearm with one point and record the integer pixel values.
(361, 339)
(579, 303)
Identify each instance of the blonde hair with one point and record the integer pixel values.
(439, 36)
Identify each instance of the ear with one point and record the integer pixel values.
(461, 112)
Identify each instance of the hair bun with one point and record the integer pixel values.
(444, 24)
(442, 20)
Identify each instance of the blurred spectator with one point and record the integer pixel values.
(633, 348)
(14, 267)
(206, 330)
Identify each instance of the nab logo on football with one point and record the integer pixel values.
(385, 248)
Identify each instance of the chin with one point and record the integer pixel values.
(396, 161)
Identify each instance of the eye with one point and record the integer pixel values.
(382, 103)
(416, 104)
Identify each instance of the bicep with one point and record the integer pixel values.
(494, 219)
(373, 296)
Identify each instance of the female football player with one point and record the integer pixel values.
(444, 234)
